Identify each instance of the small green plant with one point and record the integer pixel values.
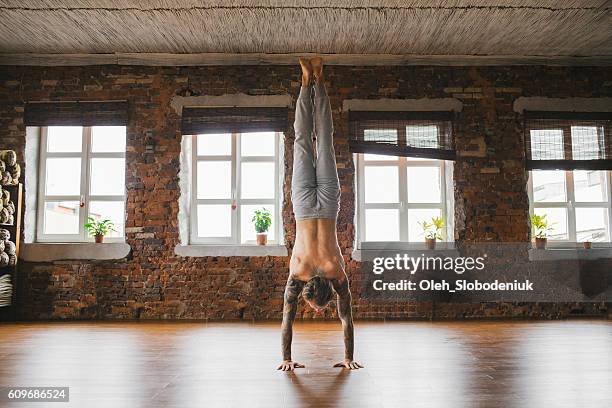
(95, 227)
(540, 226)
(433, 229)
(262, 220)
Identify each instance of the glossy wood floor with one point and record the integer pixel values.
(408, 364)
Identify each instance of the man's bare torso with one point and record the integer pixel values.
(316, 249)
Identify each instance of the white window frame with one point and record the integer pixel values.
(571, 204)
(86, 155)
(236, 162)
(445, 204)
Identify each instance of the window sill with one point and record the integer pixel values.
(230, 250)
(559, 254)
(368, 251)
(47, 252)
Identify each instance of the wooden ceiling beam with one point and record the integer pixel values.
(211, 59)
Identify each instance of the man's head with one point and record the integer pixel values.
(318, 292)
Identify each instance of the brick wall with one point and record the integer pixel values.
(491, 202)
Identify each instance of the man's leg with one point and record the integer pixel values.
(303, 181)
(328, 186)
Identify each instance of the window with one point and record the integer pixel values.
(396, 193)
(569, 158)
(404, 171)
(576, 202)
(82, 173)
(234, 174)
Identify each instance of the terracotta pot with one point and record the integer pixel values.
(99, 238)
(540, 243)
(586, 244)
(262, 239)
(430, 243)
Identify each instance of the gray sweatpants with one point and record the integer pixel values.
(315, 189)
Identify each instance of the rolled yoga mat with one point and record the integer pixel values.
(5, 234)
(15, 171)
(4, 259)
(9, 157)
(6, 197)
(6, 178)
(9, 247)
(10, 170)
(5, 217)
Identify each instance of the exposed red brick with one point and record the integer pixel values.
(154, 283)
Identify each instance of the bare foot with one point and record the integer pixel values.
(317, 68)
(306, 71)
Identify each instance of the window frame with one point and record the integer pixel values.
(84, 199)
(571, 205)
(236, 160)
(402, 163)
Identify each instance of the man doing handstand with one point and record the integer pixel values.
(316, 269)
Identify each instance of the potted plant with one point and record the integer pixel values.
(98, 229)
(432, 231)
(541, 228)
(262, 221)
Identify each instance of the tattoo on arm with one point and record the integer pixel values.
(346, 316)
(292, 292)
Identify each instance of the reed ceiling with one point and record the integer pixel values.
(539, 28)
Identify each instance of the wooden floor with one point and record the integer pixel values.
(459, 364)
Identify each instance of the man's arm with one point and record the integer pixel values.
(292, 292)
(346, 317)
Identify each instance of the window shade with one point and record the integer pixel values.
(112, 113)
(568, 140)
(233, 120)
(410, 134)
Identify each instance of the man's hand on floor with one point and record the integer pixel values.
(350, 364)
(289, 365)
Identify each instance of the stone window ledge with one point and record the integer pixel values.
(47, 252)
(559, 254)
(230, 250)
